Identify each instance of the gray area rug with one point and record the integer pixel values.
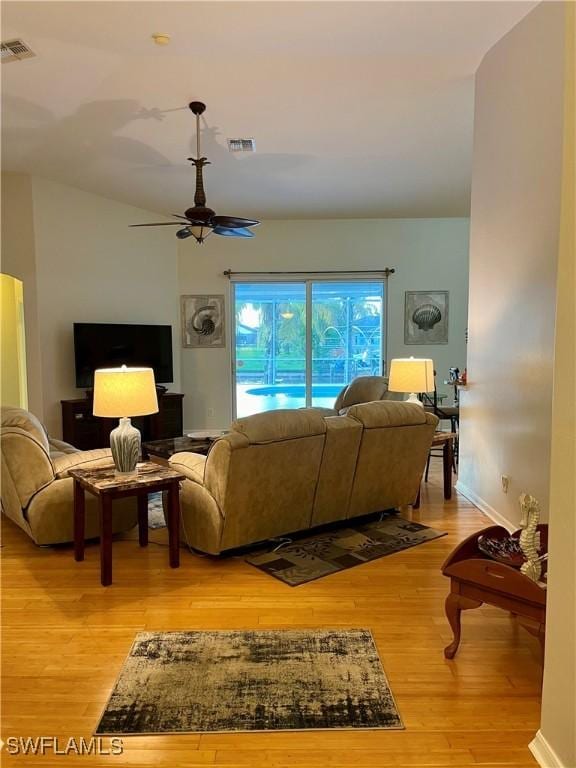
(156, 517)
(336, 550)
(199, 682)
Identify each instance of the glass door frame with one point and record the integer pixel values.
(307, 279)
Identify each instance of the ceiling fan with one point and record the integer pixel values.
(200, 220)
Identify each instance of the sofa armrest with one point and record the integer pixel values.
(190, 464)
(27, 462)
(59, 447)
(324, 411)
(99, 457)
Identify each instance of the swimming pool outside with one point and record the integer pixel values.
(254, 398)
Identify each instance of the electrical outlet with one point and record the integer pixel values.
(505, 480)
(210, 412)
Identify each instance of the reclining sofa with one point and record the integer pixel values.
(38, 493)
(290, 470)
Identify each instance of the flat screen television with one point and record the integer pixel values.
(110, 345)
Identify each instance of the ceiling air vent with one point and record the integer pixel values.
(241, 145)
(14, 50)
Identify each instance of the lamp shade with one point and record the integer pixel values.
(124, 391)
(411, 374)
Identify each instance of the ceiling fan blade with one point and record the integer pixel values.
(233, 222)
(236, 232)
(179, 216)
(159, 224)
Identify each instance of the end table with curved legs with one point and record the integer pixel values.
(454, 606)
(476, 579)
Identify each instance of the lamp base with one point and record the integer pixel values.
(413, 398)
(125, 442)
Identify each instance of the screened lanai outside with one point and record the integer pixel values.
(298, 343)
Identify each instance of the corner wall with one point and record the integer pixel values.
(79, 261)
(558, 730)
(82, 263)
(428, 254)
(506, 412)
(91, 267)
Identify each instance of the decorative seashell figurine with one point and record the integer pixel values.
(530, 537)
(426, 316)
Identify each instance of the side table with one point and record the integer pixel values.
(105, 484)
(446, 440)
(476, 579)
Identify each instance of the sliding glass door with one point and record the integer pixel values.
(270, 353)
(298, 343)
(347, 319)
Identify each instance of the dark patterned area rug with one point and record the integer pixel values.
(199, 682)
(156, 517)
(336, 550)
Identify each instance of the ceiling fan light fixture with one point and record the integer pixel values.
(200, 232)
(199, 221)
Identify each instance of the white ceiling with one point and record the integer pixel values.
(359, 109)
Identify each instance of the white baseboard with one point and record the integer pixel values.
(544, 754)
(483, 506)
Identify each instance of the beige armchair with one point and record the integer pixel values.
(37, 493)
(362, 389)
(285, 471)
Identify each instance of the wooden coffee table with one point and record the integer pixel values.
(160, 451)
(106, 485)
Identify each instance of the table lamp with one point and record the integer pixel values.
(122, 393)
(411, 374)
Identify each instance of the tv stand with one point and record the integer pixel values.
(83, 430)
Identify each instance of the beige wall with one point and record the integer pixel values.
(88, 266)
(506, 411)
(426, 253)
(91, 267)
(83, 263)
(559, 697)
(19, 260)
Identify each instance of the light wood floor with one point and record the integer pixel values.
(65, 638)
